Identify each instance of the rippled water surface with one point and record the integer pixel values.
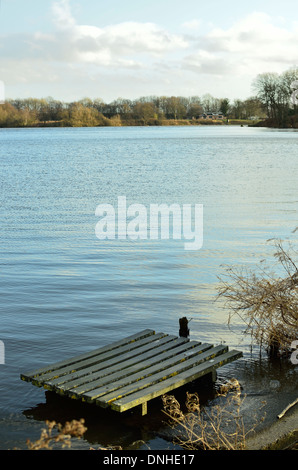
(64, 291)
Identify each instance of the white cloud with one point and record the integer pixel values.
(63, 15)
(147, 56)
(255, 37)
(192, 25)
(110, 44)
(250, 46)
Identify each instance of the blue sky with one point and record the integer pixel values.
(70, 49)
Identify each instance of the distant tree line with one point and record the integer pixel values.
(151, 110)
(272, 100)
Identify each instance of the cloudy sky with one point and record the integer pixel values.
(71, 49)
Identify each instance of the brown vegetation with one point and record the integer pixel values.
(221, 428)
(58, 435)
(267, 303)
(145, 111)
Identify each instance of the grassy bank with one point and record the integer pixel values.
(290, 122)
(118, 122)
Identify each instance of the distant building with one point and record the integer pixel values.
(212, 116)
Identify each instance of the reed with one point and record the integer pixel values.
(58, 435)
(220, 428)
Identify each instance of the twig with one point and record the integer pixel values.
(287, 408)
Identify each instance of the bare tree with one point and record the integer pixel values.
(274, 91)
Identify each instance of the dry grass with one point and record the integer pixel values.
(220, 428)
(267, 303)
(58, 435)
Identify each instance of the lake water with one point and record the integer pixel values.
(65, 292)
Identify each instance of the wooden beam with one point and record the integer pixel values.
(144, 408)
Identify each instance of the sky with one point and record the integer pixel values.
(72, 49)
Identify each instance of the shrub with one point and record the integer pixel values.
(221, 428)
(57, 434)
(268, 303)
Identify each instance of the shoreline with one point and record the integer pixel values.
(280, 435)
(137, 123)
(236, 123)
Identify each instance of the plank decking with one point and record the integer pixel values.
(132, 371)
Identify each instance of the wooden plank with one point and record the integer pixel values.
(95, 359)
(119, 381)
(171, 371)
(133, 364)
(143, 334)
(104, 367)
(160, 388)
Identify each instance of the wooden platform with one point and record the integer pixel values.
(130, 372)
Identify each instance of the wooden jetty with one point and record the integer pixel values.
(132, 371)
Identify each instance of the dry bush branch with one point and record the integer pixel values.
(62, 435)
(268, 303)
(220, 428)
